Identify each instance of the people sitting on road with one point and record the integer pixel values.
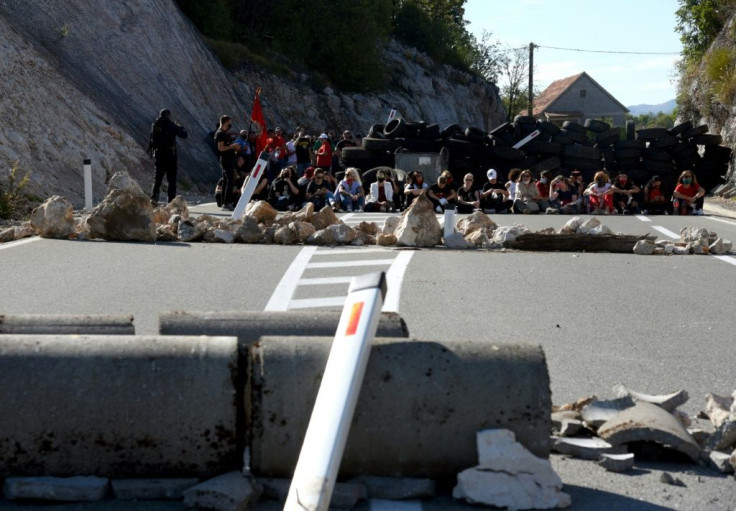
(414, 186)
(495, 197)
(543, 184)
(600, 195)
(527, 199)
(468, 197)
(565, 196)
(350, 191)
(513, 180)
(687, 198)
(284, 194)
(441, 194)
(320, 191)
(381, 196)
(625, 194)
(656, 201)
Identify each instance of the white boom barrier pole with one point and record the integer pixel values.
(324, 443)
(88, 184)
(526, 139)
(246, 192)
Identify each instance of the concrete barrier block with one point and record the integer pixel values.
(151, 489)
(249, 326)
(420, 405)
(71, 489)
(118, 406)
(61, 324)
(228, 492)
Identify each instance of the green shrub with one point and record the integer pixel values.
(720, 71)
(13, 203)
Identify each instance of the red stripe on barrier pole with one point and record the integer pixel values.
(354, 318)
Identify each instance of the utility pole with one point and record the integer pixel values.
(531, 79)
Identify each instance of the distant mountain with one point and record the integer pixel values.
(666, 108)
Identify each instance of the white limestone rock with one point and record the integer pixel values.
(600, 229)
(54, 218)
(474, 222)
(589, 224)
(644, 247)
(390, 224)
(123, 216)
(509, 476)
(418, 226)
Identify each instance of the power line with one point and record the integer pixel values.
(607, 51)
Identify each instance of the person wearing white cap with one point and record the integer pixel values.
(495, 197)
(324, 152)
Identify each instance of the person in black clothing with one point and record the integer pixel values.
(162, 147)
(226, 151)
(495, 197)
(284, 193)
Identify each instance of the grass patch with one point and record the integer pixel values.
(13, 202)
(236, 55)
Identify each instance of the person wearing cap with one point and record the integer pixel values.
(324, 152)
(162, 148)
(347, 140)
(303, 148)
(278, 154)
(495, 197)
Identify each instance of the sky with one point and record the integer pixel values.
(601, 25)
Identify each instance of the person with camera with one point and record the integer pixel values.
(284, 194)
(162, 148)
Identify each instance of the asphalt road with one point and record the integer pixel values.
(655, 323)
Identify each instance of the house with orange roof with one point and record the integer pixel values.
(577, 98)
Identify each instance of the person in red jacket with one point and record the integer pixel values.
(688, 195)
(324, 152)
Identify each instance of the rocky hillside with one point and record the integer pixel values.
(84, 79)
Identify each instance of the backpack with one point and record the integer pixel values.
(157, 139)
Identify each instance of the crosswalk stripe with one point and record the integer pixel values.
(347, 264)
(325, 280)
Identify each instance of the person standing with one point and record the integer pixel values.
(226, 154)
(162, 147)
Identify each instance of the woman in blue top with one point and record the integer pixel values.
(350, 191)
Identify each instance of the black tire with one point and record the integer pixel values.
(630, 144)
(451, 130)
(562, 138)
(380, 145)
(536, 147)
(718, 153)
(581, 151)
(548, 127)
(508, 153)
(415, 129)
(630, 130)
(666, 141)
(582, 163)
(525, 119)
(476, 134)
(607, 134)
(463, 148)
(431, 132)
(576, 136)
(353, 154)
(596, 126)
(502, 141)
(395, 128)
(640, 176)
(622, 154)
(547, 164)
(504, 129)
(420, 145)
(376, 131)
(707, 139)
(656, 155)
(651, 133)
(657, 166)
(693, 132)
(680, 128)
(573, 126)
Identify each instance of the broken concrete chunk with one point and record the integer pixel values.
(228, 492)
(668, 478)
(598, 412)
(644, 247)
(560, 416)
(724, 437)
(721, 461)
(584, 448)
(509, 476)
(667, 401)
(344, 495)
(576, 406)
(732, 460)
(151, 489)
(699, 435)
(682, 417)
(645, 422)
(69, 489)
(718, 408)
(571, 427)
(397, 488)
(617, 462)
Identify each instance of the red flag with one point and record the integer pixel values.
(257, 117)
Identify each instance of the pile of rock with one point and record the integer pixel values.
(605, 430)
(693, 240)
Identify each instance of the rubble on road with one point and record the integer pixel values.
(617, 462)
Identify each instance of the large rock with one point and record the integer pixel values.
(324, 218)
(302, 230)
(475, 222)
(695, 236)
(122, 180)
(123, 216)
(509, 476)
(418, 226)
(336, 234)
(249, 231)
(54, 218)
(284, 235)
(261, 210)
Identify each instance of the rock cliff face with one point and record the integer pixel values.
(84, 79)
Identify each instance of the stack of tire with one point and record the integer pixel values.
(587, 147)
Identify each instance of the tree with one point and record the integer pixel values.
(515, 82)
(699, 22)
(488, 59)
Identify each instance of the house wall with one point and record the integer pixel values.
(596, 103)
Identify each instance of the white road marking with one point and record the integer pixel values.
(308, 303)
(324, 281)
(285, 289)
(726, 259)
(721, 220)
(395, 505)
(666, 232)
(346, 264)
(394, 278)
(343, 251)
(11, 244)
(644, 218)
